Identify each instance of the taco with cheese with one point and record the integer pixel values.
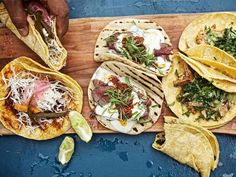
(35, 100)
(189, 144)
(215, 29)
(194, 94)
(42, 37)
(124, 99)
(140, 43)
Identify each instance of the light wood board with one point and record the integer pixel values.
(80, 42)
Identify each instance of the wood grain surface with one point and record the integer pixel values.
(80, 41)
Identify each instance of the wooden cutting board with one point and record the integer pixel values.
(80, 41)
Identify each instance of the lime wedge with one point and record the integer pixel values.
(81, 126)
(66, 150)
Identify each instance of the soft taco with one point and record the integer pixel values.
(35, 100)
(189, 144)
(42, 37)
(215, 29)
(140, 43)
(196, 97)
(124, 99)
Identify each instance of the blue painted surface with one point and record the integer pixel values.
(113, 155)
(101, 8)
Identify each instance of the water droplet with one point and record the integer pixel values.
(107, 145)
(90, 174)
(152, 175)
(149, 164)
(228, 175)
(159, 168)
(81, 175)
(220, 164)
(136, 143)
(123, 156)
(43, 157)
(233, 155)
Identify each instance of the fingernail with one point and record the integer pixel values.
(23, 31)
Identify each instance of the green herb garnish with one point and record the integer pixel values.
(118, 97)
(137, 52)
(201, 96)
(226, 42)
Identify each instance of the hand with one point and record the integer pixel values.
(58, 8)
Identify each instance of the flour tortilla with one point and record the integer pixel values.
(189, 144)
(170, 92)
(222, 20)
(7, 115)
(35, 41)
(143, 80)
(102, 53)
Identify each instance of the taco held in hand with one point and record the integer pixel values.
(215, 29)
(189, 144)
(42, 37)
(196, 95)
(125, 99)
(139, 43)
(35, 101)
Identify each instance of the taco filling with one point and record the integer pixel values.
(199, 96)
(145, 47)
(224, 39)
(45, 24)
(119, 102)
(36, 100)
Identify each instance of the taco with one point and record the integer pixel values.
(193, 96)
(215, 29)
(124, 99)
(189, 144)
(139, 43)
(217, 78)
(35, 100)
(214, 58)
(42, 37)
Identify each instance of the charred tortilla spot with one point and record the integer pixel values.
(96, 54)
(135, 129)
(160, 29)
(97, 46)
(141, 124)
(155, 113)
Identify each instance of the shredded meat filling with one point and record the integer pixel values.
(185, 78)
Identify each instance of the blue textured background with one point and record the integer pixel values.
(113, 155)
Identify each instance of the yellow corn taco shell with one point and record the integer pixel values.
(35, 41)
(171, 92)
(215, 58)
(103, 53)
(189, 144)
(208, 71)
(8, 115)
(138, 79)
(221, 20)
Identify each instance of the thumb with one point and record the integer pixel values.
(17, 14)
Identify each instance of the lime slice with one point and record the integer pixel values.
(66, 150)
(81, 126)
